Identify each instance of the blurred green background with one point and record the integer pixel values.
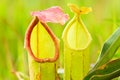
(15, 18)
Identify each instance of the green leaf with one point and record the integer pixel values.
(107, 76)
(106, 72)
(109, 49)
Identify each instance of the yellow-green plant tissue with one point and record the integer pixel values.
(76, 40)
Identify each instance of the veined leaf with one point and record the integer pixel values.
(109, 48)
(107, 76)
(108, 51)
(105, 72)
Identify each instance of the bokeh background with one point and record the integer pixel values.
(15, 18)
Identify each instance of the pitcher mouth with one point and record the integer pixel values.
(28, 46)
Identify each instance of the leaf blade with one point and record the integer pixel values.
(108, 51)
(109, 48)
(105, 72)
